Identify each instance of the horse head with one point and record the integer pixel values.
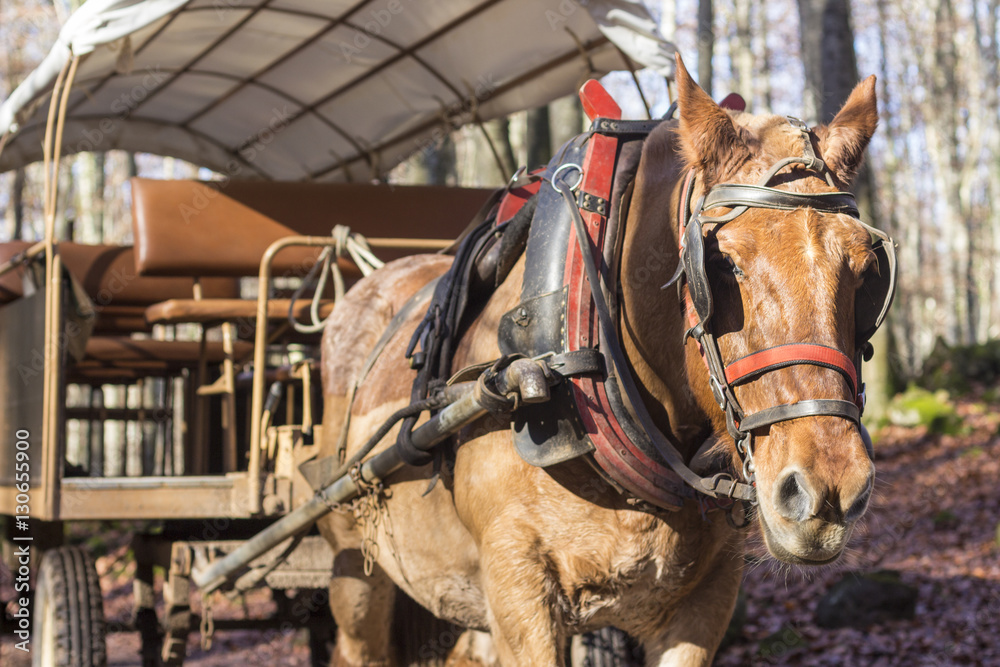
(781, 278)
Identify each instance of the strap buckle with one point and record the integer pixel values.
(718, 392)
(744, 446)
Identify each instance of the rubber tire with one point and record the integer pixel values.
(69, 623)
(608, 647)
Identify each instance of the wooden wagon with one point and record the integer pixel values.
(299, 109)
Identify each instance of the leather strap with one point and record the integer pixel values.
(577, 362)
(810, 408)
(732, 195)
(754, 365)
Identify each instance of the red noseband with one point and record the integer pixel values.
(754, 365)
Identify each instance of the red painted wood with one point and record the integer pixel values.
(597, 102)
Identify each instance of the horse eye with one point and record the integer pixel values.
(731, 266)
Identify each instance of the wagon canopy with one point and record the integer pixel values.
(314, 89)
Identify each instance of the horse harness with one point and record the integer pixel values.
(568, 308)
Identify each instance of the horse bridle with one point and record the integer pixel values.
(869, 314)
(724, 377)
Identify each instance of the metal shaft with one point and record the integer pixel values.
(445, 423)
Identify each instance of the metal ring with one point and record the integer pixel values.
(568, 165)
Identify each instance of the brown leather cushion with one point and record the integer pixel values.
(176, 311)
(223, 229)
(108, 275)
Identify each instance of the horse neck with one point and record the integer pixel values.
(651, 320)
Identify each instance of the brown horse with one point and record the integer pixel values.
(533, 555)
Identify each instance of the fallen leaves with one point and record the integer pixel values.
(934, 519)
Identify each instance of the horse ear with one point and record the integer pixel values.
(842, 143)
(709, 139)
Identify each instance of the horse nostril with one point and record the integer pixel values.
(794, 499)
(860, 504)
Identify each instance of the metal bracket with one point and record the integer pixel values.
(592, 203)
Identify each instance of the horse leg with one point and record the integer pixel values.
(361, 604)
(698, 624)
(519, 590)
(473, 649)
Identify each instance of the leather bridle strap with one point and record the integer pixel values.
(809, 408)
(754, 365)
(733, 195)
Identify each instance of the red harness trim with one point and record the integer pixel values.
(782, 356)
(515, 199)
(614, 451)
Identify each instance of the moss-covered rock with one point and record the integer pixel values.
(919, 407)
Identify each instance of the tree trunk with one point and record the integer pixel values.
(706, 44)
(500, 131)
(763, 82)
(828, 56)
(741, 54)
(477, 161)
(17, 203)
(538, 137)
(435, 165)
(90, 197)
(565, 119)
(831, 73)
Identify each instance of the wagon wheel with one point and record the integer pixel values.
(608, 647)
(69, 611)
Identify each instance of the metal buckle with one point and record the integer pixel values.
(745, 450)
(718, 392)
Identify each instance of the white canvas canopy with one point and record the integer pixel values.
(314, 89)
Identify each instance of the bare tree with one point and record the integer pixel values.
(741, 51)
(706, 43)
(538, 137)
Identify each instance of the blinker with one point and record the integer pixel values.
(693, 259)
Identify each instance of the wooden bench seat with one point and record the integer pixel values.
(122, 360)
(120, 298)
(211, 311)
(119, 351)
